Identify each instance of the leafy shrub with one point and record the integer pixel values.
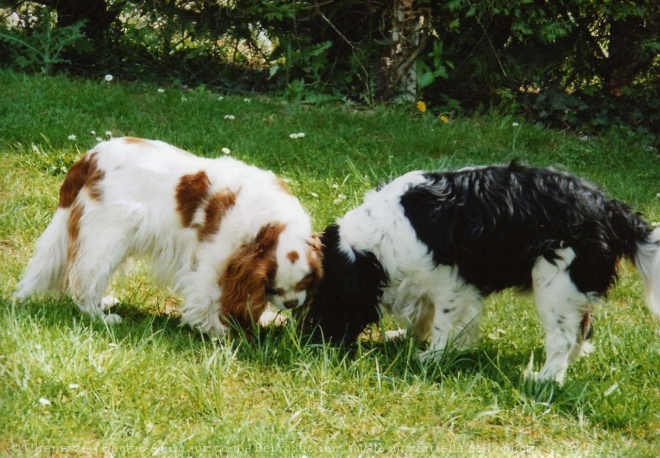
(580, 64)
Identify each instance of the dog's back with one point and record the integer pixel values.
(429, 245)
(494, 222)
(191, 218)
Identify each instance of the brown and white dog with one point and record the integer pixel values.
(227, 236)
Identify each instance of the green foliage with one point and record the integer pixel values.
(426, 73)
(599, 60)
(42, 48)
(301, 69)
(638, 111)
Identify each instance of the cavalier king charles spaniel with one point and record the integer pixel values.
(227, 236)
(428, 246)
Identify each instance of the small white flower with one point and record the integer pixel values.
(161, 90)
(301, 134)
(44, 402)
(108, 133)
(226, 151)
(515, 124)
(339, 198)
(230, 117)
(72, 137)
(247, 100)
(74, 386)
(293, 135)
(108, 78)
(92, 132)
(221, 98)
(184, 98)
(335, 186)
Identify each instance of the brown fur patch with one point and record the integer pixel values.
(586, 328)
(315, 261)
(423, 327)
(283, 186)
(246, 275)
(191, 192)
(74, 231)
(84, 173)
(216, 208)
(306, 282)
(136, 141)
(293, 256)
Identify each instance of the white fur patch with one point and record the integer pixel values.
(138, 208)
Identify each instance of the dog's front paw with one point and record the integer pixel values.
(431, 355)
(107, 302)
(587, 347)
(112, 318)
(544, 376)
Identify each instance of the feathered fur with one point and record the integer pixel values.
(428, 246)
(227, 236)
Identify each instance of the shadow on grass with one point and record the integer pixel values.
(286, 347)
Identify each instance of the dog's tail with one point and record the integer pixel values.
(647, 260)
(633, 238)
(46, 270)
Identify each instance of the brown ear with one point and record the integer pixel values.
(268, 236)
(315, 261)
(246, 275)
(315, 242)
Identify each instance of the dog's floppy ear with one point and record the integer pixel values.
(246, 275)
(268, 236)
(315, 251)
(347, 297)
(315, 262)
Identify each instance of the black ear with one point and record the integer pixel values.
(349, 292)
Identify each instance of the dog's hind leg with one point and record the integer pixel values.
(561, 309)
(99, 240)
(46, 271)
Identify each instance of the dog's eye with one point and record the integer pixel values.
(274, 291)
(305, 282)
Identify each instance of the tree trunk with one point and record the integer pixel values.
(398, 72)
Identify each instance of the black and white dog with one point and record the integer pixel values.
(428, 246)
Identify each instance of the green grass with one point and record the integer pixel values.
(149, 386)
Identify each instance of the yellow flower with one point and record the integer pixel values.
(443, 118)
(421, 106)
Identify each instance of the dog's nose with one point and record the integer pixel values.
(291, 304)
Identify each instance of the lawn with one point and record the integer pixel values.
(147, 387)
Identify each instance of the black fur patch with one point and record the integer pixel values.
(494, 222)
(348, 296)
